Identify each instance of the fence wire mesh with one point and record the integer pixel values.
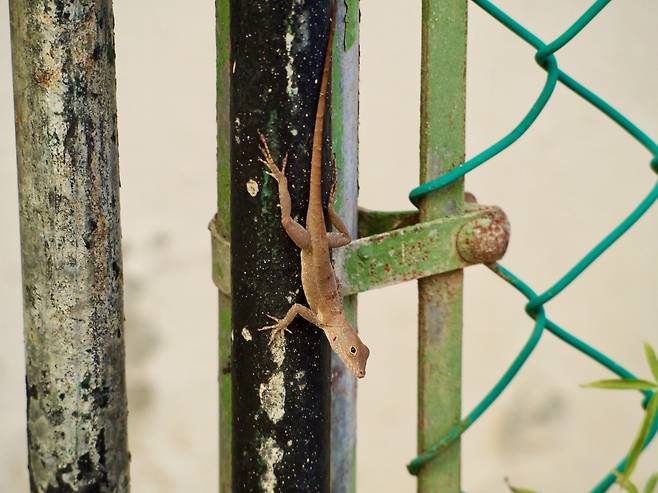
(535, 308)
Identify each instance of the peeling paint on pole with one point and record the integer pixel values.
(280, 394)
(442, 124)
(68, 177)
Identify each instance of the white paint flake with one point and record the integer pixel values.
(278, 349)
(292, 296)
(271, 455)
(252, 187)
(273, 397)
(300, 378)
(291, 88)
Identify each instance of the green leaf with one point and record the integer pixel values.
(629, 486)
(514, 489)
(622, 384)
(643, 434)
(651, 484)
(626, 484)
(652, 359)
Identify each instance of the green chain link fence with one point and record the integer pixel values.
(546, 59)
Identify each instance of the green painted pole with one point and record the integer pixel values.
(222, 227)
(442, 125)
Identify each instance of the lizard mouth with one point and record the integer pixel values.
(352, 366)
(356, 370)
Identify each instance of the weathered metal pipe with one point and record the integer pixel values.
(345, 147)
(442, 133)
(280, 392)
(68, 178)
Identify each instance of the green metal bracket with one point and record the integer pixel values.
(398, 248)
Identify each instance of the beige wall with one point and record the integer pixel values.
(564, 185)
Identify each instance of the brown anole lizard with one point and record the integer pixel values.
(325, 308)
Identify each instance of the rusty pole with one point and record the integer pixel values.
(440, 297)
(68, 179)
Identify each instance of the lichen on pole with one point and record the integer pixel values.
(68, 179)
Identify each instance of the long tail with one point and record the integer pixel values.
(315, 194)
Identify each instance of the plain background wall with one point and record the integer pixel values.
(564, 185)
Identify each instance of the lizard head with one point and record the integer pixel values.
(346, 344)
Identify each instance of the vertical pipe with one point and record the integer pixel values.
(223, 226)
(345, 122)
(68, 178)
(280, 392)
(443, 60)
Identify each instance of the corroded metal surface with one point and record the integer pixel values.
(375, 222)
(420, 250)
(485, 239)
(221, 258)
(442, 124)
(68, 176)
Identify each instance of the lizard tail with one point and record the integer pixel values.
(315, 196)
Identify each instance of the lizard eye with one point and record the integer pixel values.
(353, 350)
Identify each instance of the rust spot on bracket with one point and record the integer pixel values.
(485, 239)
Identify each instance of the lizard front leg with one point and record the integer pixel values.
(342, 237)
(281, 324)
(296, 231)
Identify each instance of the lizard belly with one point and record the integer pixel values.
(319, 284)
(309, 284)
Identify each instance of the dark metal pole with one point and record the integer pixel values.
(281, 398)
(68, 177)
